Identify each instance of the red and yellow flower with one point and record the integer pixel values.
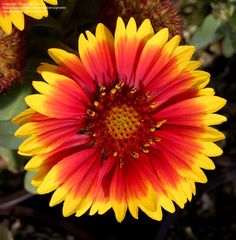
(124, 126)
(12, 12)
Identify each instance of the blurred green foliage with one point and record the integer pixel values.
(11, 104)
(5, 233)
(208, 22)
(27, 182)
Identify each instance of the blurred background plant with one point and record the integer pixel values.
(211, 27)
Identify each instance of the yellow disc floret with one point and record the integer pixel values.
(122, 121)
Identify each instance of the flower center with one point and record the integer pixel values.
(122, 122)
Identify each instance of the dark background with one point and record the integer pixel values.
(211, 214)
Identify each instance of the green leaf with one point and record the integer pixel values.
(41, 46)
(48, 22)
(232, 31)
(13, 161)
(207, 32)
(5, 234)
(88, 8)
(31, 65)
(27, 182)
(7, 137)
(12, 102)
(67, 13)
(227, 46)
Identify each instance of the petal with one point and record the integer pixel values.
(47, 67)
(201, 133)
(38, 177)
(214, 119)
(74, 163)
(211, 149)
(156, 215)
(11, 13)
(195, 106)
(206, 92)
(117, 194)
(82, 185)
(149, 55)
(101, 202)
(37, 14)
(47, 160)
(5, 24)
(192, 65)
(46, 126)
(44, 105)
(18, 20)
(58, 82)
(23, 117)
(97, 55)
(129, 43)
(183, 55)
(177, 88)
(170, 179)
(62, 97)
(48, 141)
(183, 162)
(58, 196)
(52, 2)
(157, 58)
(75, 68)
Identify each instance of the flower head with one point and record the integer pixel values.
(12, 12)
(123, 126)
(12, 58)
(162, 13)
